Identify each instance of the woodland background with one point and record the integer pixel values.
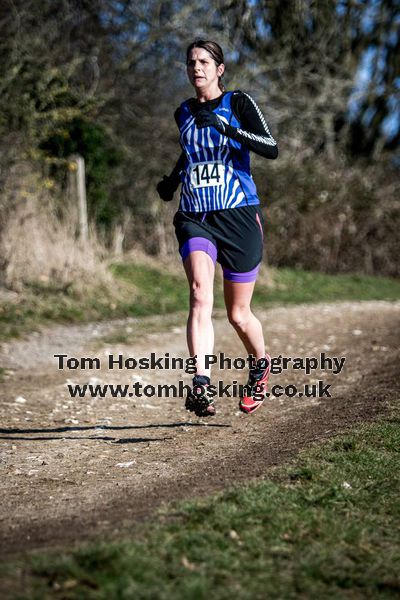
(103, 78)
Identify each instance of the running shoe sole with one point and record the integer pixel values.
(200, 405)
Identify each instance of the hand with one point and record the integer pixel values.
(165, 189)
(205, 118)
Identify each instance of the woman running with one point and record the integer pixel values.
(219, 216)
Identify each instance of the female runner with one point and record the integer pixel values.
(219, 217)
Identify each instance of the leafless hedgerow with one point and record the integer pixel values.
(120, 68)
(332, 218)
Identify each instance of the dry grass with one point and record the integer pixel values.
(171, 264)
(40, 247)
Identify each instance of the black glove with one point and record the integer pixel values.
(166, 189)
(205, 118)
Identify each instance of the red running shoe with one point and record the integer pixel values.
(256, 386)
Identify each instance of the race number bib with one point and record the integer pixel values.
(206, 174)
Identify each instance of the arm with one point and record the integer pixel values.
(169, 183)
(253, 133)
(175, 175)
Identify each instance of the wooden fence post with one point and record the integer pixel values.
(81, 196)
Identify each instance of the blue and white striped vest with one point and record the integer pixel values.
(217, 174)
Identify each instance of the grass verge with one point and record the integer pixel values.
(155, 292)
(326, 526)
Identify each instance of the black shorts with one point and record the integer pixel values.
(233, 237)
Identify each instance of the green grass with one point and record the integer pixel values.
(165, 293)
(153, 293)
(157, 293)
(294, 286)
(325, 526)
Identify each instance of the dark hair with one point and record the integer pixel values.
(215, 52)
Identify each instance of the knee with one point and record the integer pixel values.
(238, 316)
(201, 297)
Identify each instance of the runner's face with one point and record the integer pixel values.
(202, 69)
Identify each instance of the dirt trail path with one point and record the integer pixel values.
(60, 458)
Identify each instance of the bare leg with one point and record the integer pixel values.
(237, 301)
(200, 271)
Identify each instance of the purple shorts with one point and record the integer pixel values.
(200, 243)
(233, 237)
